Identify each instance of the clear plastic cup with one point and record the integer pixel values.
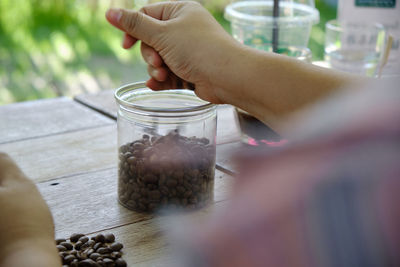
(355, 47)
(253, 23)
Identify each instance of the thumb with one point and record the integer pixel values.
(136, 24)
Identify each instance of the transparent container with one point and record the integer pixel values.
(355, 47)
(284, 30)
(166, 143)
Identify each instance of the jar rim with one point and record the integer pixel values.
(128, 88)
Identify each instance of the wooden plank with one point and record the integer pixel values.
(45, 117)
(228, 124)
(146, 243)
(65, 154)
(102, 102)
(88, 202)
(83, 151)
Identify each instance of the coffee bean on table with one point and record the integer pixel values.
(104, 250)
(109, 238)
(120, 263)
(78, 245)
(61, 248)
(91, 243)
(97, 245)
(99, 238)
(116, 247)
(75, 254)
(84, 239)
(67, 245)
(68, 259)
(75, 237)
(59, 240)
(94, 256)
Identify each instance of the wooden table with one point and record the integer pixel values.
(69, 149)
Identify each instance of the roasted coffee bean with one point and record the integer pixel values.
(103, 250)
(120, 263)
(109, 238)
(172, 182)
(75, 237)
(84, 239)
(88, 251)
(78, 245)
(94, 256)
(97, 246)
(63, 254)
(85, 246)
(67, 245)
(116, 246)
(108, 262)
(85, 254)
(61, 248)
(87, 263)
(91, 243)
(115, 254)
(100, 238)
(59, 240)
(68, 259)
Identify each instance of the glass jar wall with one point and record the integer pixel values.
(166, 145)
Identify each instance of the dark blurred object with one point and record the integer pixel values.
(255, 132)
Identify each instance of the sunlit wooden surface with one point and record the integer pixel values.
(69, 148)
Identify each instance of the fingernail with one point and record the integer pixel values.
(114, 14)
(155, 73)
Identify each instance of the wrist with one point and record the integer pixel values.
(222, 74)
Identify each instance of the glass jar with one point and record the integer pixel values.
(166, 143)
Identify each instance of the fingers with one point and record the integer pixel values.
(136, 24)
(151, 56)
(157, 86)
(159, 74)
(171, 82)
(9, 171)
(128, 41)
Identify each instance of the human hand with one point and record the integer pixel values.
(181, 43)
(26, 224)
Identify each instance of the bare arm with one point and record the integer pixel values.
(272, 86)
(181, 42)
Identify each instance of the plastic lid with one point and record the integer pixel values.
(260, 12)
(138, 97)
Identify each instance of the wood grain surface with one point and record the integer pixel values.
(26, 120)
(88, 202)
(148, 243)
(65, 154)
(69, 151)
(102, 102)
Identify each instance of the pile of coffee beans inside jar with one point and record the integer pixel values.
(169, 170)
(98, 251)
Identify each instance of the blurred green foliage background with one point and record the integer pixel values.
(63, 48)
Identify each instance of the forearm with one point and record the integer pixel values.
(31, 254)
(271, 86)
